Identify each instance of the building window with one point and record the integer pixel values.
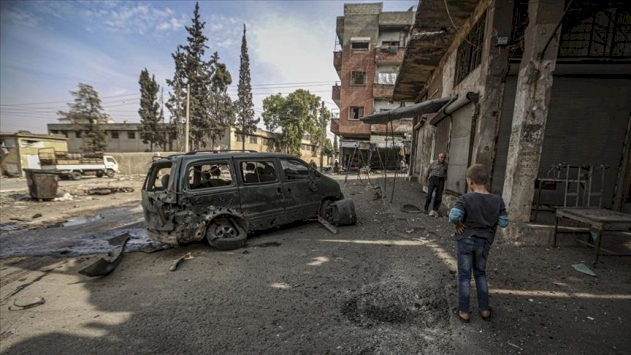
(53, 131)
(114, 134)
(356, 112)
(360, 45)
(596, 32)
(65, 133)
(469, 54)
(358, 78)
(78, 134)
(131, 135)
(239, 138)
(252, 139)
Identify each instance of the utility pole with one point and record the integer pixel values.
(188, 106)
(322, 138)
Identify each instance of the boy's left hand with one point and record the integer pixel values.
(459, 228)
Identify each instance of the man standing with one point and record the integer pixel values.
(435, 180)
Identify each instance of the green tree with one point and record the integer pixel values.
(177, 99)
(246, 124)
(149, 111)
(221, 109)
(295, 115)
(87, 114)
(328, 150)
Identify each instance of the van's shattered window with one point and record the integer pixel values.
(255, 172)
(209, 175)
(159, 177)
(295, 169)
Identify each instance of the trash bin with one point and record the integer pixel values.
(41, 184)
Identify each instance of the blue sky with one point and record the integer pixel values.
(48, 47)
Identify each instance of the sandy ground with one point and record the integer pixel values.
(384, 286)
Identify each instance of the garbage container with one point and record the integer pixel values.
(41, 184)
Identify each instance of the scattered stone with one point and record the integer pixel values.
(37, 215)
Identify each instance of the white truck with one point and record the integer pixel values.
(75, 165)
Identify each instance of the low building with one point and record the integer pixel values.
(19, 150)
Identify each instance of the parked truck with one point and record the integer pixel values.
(75, 165)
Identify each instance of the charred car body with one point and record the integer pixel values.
(224, 196)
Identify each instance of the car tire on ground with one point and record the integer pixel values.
(99, 174)
(328, 212)
(224, 233)
(110, 173)
(75, 175)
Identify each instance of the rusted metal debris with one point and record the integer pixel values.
(328, 225)
(105, 266)
(187, 256)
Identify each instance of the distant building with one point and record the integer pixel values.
(126, 137)
(372, 45)
(19, 150)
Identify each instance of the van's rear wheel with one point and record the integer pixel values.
(225, 234)
(75, 175)
(328, 211)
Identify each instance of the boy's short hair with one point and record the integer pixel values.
(477, 173)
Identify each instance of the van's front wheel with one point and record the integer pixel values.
(225, 234)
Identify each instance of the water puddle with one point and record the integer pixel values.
(82, 220)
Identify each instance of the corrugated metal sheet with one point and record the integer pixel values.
(459, 142)
(506, 121)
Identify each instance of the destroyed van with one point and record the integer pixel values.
(223, 196)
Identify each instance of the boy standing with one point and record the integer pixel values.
(476, 216)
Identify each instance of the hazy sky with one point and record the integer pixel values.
(48, 47)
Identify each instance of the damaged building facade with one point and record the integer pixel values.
(371, 46)
(540, 94)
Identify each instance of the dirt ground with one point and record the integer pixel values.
(20, 211)
(384, 286)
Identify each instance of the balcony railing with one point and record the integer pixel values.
(336, 94)
(380, 91)
(337, 60)
(390, 54)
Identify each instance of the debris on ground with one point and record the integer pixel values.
(66, 197)
(37, 215)
(108, 190)
(105, 266)
(37, 301)
(81, 220)
(187, 256)
(584, 269)
(328, 225)
(19, 219)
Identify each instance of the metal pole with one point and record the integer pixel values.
(322, 138)
(188, 107)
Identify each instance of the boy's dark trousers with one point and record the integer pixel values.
(438, 184)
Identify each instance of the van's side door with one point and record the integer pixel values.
(209, 182)
(262, 199)
(302, 195)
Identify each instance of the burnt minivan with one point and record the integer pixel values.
(224, 196)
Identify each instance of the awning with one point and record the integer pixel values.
(429, 106)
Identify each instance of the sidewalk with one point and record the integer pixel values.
(540, 303)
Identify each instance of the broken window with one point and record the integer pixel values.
(213, 174)
(256, 172)
(596, 32)
(295, 169)
(239, 138)
(159, 177)
(77, 134)
(358, 78)
(469, 54)
(356, 112)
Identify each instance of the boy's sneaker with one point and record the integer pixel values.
(433, 213)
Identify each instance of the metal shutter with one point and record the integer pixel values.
(506, 122)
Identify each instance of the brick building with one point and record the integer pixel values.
(372, 46)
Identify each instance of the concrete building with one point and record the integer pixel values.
(126, 137)
(19, 150)
(534, 87)
(372, 44)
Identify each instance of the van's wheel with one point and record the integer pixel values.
(99, 174)
(75, 175)
(225, 234)
(110, 173)
(329, 212)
